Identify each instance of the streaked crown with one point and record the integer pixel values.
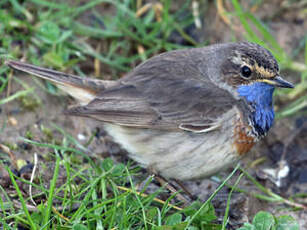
(249, 63)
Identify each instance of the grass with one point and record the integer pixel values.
(95, 193)
(105, 197)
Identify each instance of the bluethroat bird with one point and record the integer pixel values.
(188, 113)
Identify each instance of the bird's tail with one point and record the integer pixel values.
(81, 88)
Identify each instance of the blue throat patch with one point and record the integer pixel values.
(260, 95)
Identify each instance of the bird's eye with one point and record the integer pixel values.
(246, 71)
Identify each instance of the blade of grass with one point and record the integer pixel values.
(82, 209)
(226, 215)
(293, 108)
(69, 137)
(4, 82)
(22, 201)
(87, 49)
(58, 147)
(16, 95)
(279, 53)
(212, 196)
(274, 197)
(97, 211)
(87, 30)
(138, 199)
(51, 192)
(51, 5)
(22, 10)
(248, 29)
(69, 182)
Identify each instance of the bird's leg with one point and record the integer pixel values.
(169, 185)
(172, 189)
(186, 190)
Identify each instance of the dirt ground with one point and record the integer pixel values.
(285, 146)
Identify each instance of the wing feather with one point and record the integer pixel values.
(166, 92)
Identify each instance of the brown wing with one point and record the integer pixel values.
(166, 92)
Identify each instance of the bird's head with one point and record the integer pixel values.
(250, 63)
(252, 73)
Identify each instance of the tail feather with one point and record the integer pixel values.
(83, 89)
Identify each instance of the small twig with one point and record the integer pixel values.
(97, 62)
(32, 178)
(195, 10)
(145, 195)
(143, 10)
(181, 185)
(171, 188)
(8, 91)
(158, 8)
(59, 214)
(141, 52)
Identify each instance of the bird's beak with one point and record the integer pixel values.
(278, 82)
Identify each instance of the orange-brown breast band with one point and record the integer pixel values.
(243, 143)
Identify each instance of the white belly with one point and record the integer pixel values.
(180, 155)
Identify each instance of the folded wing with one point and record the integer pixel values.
(162, 93)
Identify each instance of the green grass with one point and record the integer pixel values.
(104, 198)
(96, 193)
